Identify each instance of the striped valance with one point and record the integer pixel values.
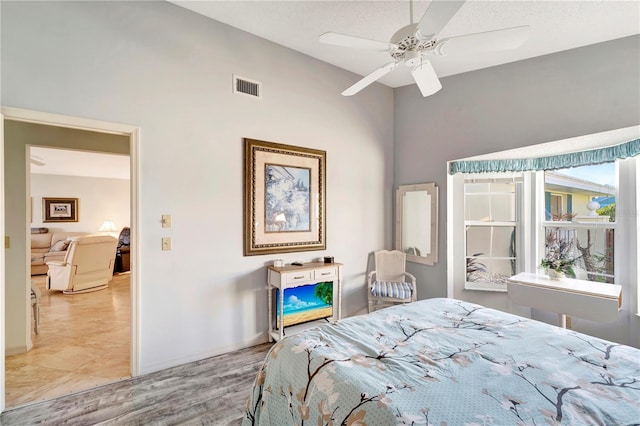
(552, 162)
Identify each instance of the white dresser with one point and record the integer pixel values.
(291, 276)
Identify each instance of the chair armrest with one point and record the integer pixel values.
(56, 263)
(370, 277)
(58, 275)
(411, 277)
(35, 291)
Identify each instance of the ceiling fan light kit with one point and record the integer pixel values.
(412, 44)
(426, 78)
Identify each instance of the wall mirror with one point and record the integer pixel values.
(417, 222)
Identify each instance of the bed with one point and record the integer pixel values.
(445, 362)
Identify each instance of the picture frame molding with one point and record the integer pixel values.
(259, 241)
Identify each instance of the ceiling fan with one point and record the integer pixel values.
(37, 161)
(412, 44)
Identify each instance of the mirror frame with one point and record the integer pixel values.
(432, 189)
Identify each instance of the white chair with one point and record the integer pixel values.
(87, 266)
(389, 283)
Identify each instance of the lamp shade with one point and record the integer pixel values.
(107, 226)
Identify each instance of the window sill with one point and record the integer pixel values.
(583, 299)
(500, 288)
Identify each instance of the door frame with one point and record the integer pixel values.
(133, 132)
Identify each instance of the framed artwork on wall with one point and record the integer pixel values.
(285, 205)
(59, 209)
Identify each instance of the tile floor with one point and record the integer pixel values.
(83, 342)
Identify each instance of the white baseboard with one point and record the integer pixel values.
(152, 368)
(17, 350)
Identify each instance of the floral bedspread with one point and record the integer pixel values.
(445, 362)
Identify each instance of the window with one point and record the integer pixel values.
(550, 204)
(491, 230)
(508, 218)
(555, 209)
(587, 224)
(511, 218)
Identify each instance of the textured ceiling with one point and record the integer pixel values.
(555, 26)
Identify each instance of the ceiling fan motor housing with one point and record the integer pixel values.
(409, 46)
(412, 58)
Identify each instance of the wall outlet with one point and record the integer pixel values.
(166, 243)
(166, 221)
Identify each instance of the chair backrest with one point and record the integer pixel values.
(92, 253)
(390, 265)
(63, 236)
(125, 237)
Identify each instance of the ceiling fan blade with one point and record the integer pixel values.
(355, 42)
(426, 78)
(489, 41)
(438, 14)
(383, 70)
(37, 161)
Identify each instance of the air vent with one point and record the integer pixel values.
(247, 87)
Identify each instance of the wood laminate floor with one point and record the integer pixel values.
(83, 342)
(213, 391)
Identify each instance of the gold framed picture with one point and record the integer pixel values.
(285, 204)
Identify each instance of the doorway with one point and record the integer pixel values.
(17, 265)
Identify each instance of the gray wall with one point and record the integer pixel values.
(572, 93)
(169, 71)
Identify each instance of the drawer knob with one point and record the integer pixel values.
(298, 278)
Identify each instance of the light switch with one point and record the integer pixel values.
(7, 242)
(166, 221)
(166, 243)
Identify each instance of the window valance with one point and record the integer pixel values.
(560, 161)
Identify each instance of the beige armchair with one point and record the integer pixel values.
(390, 283)
(87, 266)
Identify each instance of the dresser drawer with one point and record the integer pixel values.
(326, 274)
(298, 276)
